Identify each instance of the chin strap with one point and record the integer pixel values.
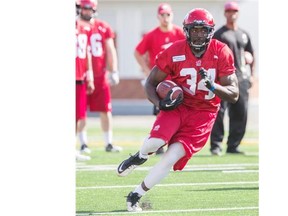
(198, 52)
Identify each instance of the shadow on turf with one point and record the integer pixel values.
(145, 205)
(212, 170)
(227, 189)
(93, 212)
(226, 155)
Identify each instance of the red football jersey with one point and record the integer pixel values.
(179, 62)
(156, 41)
(82, 43)
(100, 32)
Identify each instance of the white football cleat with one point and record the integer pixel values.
(85, 149)
(133, 202)
(80, 157)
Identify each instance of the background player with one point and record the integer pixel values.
(104, 64)
(240, 43)
(155, 41)
(84, 83)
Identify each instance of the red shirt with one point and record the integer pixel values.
(179, 62)
(100, 32)
(82, 35)
(156, 41)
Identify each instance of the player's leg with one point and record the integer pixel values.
(106, 126)
(82, 134)
(100, 101)
(156, 111)
(160, 134)
(238, 113)
(149, 146)
(217, 133)
(81, 107)
(157, 173)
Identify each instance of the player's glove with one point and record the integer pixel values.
(207, 81)
(113, 78)
(168, 104)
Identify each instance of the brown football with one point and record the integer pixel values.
(165, 86)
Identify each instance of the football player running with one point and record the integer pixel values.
(204, 68)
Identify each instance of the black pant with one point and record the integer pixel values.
(155, 110)
(237, 120)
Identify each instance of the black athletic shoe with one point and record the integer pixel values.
(130, 164)
(234, 151)
(84, 149)
(133, 202)
(216, 151)
(112, 148)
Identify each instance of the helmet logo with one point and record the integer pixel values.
(199, 22)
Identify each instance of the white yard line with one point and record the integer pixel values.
(81, 167)
(169, 185)
(171, 211)
(227, 168)
(240, 171)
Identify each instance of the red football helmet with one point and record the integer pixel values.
(90, 5)
(198, 26)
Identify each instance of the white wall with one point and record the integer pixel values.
(130, 19)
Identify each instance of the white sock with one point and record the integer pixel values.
(163, 167)
(107, 137)
(144, 156)
(139, 190)
(150, 145)
(83, 137)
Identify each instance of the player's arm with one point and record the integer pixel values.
(142, 61)
(252, 65)
(155, 77)
(249, 48)
(89, 73)
(227, 89)
(112, 62)
(252, 69)
(250, 60)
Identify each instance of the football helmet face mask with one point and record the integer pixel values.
(90, 5)
(198, 26)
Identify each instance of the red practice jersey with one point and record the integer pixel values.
(82, 43)
(156, 41)
(100, 32)
(183, 67)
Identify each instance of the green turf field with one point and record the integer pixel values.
(208, 186)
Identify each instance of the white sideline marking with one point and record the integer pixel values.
(240, 171)
(168, 185)
(187, 168)
(174, 211)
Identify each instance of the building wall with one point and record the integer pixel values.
(131, 18)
